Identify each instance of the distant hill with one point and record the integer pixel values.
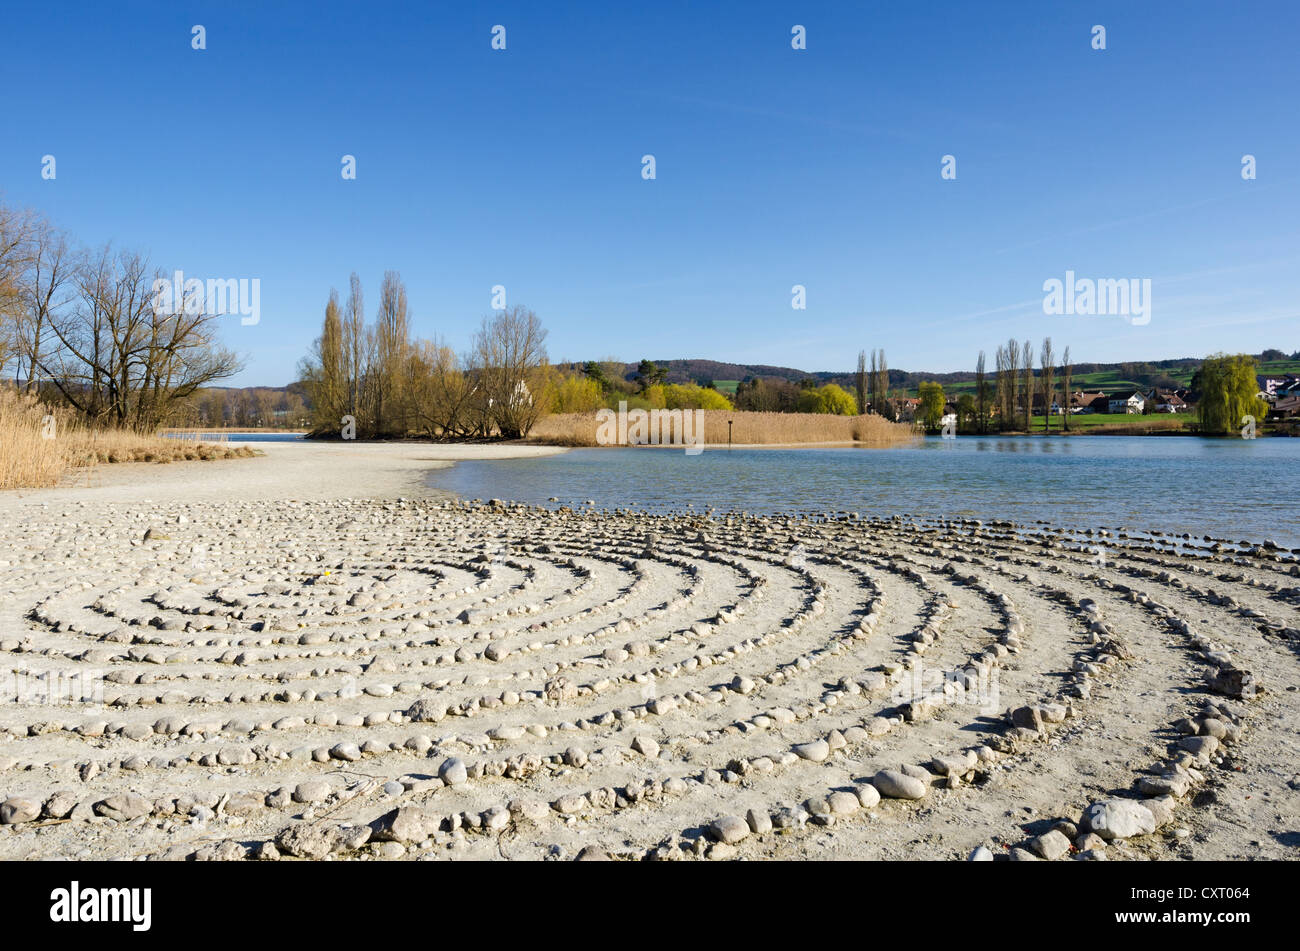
(1105, 377)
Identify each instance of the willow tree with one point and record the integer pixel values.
(930, 413)
(1229, 394)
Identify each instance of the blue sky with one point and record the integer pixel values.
(775, 167)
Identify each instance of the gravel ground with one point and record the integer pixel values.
(309, 655)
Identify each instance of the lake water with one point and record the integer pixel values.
(1229, 488)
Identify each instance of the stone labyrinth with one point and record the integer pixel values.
(426, 679)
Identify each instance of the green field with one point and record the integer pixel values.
(1110, 381)
(726, 387)
(1106, 382)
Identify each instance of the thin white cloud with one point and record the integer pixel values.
(1145, 216)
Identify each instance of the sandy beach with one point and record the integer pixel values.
(288, 470)
(308, 654)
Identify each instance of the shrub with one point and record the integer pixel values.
(829, 398)
(576, 394)
(679, 396)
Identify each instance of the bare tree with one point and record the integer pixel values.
(123, 358)
(442, 393)
(981, 394)
(508, 353)
(45, 290)
(15, 252)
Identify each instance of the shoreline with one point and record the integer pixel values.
(284, 470)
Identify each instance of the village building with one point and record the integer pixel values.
(1165, 401)
(1084, 402)
(1128, 401)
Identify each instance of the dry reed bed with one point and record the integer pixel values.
(40, 445)
(1144, 428)
(771, 429)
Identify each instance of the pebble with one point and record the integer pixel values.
(264, 674)
(868, 795)
(729, 829)
(453, 772)
(816, 751)
(1118, 819)
(16, 810)
(348, 752)
(843, 803)
(1050, 845)
(894, 784)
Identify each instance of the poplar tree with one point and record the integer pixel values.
(1046, 381)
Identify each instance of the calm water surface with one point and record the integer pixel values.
(1232, 488)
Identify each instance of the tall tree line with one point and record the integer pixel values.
(874, 384)
(1011, 396)
(391, 385)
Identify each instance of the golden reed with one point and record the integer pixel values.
(39, 445)
(748, 429)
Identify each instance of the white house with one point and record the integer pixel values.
(1130, 401)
